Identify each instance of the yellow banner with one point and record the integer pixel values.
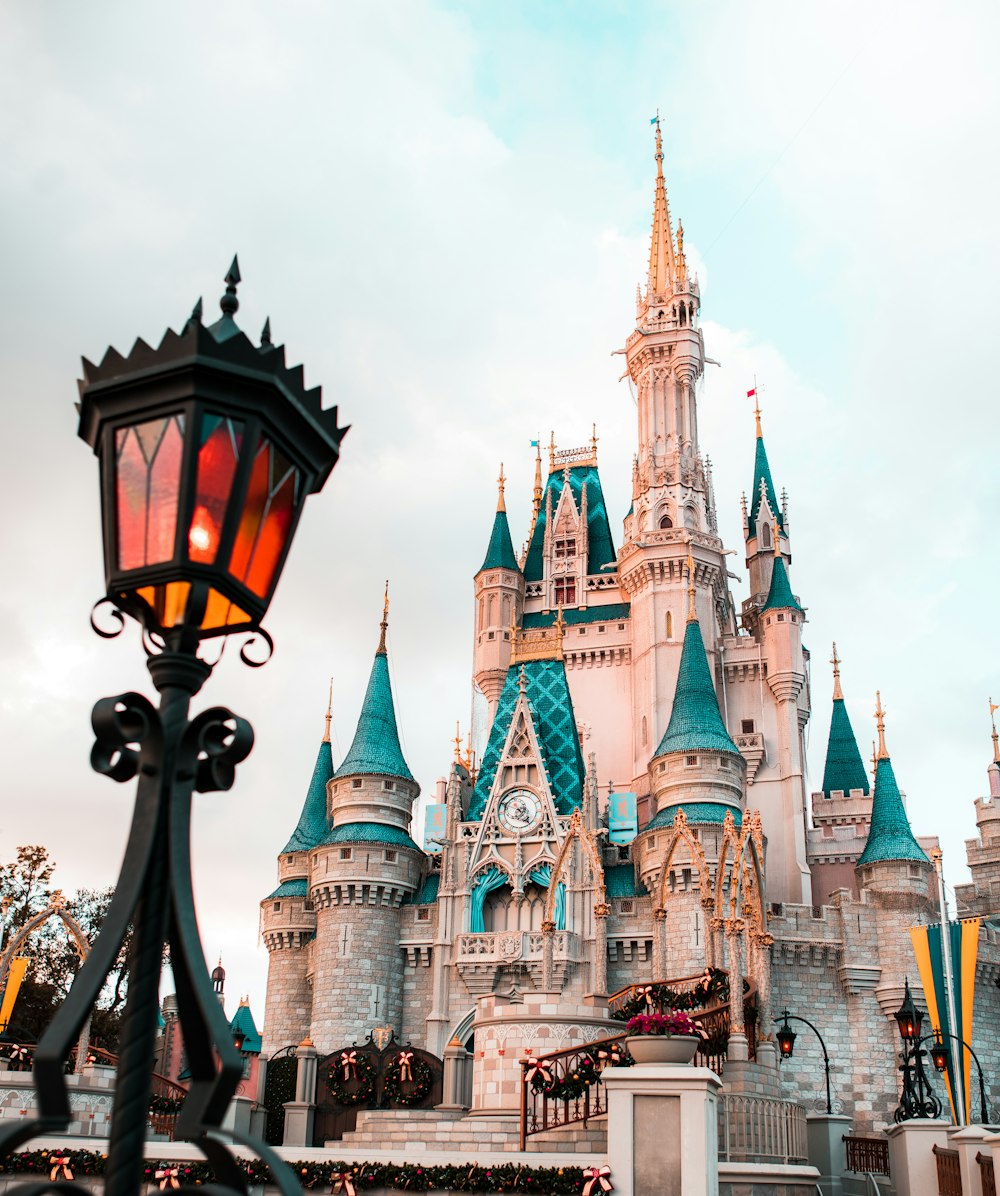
(14, 977)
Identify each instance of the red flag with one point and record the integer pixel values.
(751, 393)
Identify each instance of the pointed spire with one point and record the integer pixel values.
(763, 485)
(384, 625)
(692, 612)
(883, 753)
(458, 743)
(329, 714)
(993, 722)
(500, 550)
(311, 827)
(536, 494)
(501, 505)
(375, 749)
(662, 267)
(265, 334)
(844, 769)
(779, 595)
(229, 303)
(593, 441)
(695, 722)
(195, 316)
(889, 835)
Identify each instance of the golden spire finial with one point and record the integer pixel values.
(993, 720)
(692, 613)
(659, 147)
(458, 744)
(874, 760)
(883, 753)
(501, 505)
(838, 695)
(329, 714)
(552, 451)
(662, 267)
(593, 441)
(385, 621)
(777, 538)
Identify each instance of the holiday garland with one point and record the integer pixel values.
(466, 1177)
(408, 1079)
(351, 1068)
(659, 998)
(585, 1072)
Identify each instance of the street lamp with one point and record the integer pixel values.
(917, 1098)
(208, 447)
(786, 1043)
(940, 1054)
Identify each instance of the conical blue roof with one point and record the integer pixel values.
(500, 553)
(780, 596)
(244, 1024)
(311, 826)
(695, 722)
(889, 836)
(762, 473)
(844, 767)
(375, 749)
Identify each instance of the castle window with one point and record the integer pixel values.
(690, 760)
(423, 914)
(670, 625)
(390, 856)
(746, 726)
(645, 731)
(565, 591)
(277, 907)
(665, 522)
(627, 906)
(356, 784)
(781, 618)
(308, 906)
(623, 853)
(915, 870)
(489, 635)
(345, 853)
(602, 628)
(565, 548)
(765, 535)
(390, 785)
(621, 626)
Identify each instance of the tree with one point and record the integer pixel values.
(24, 889)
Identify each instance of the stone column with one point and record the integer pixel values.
(457, 1082)
(761, 973)
(711, 954)
(601, 947)
(969, 1142)
(663, 1130)
(300, 1113)
(738, 1048)
(548, 946)
(660, 944)
(911, 1160)
(828, 1150)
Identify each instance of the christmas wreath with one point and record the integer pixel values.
(351, 1078)
(408, 1079)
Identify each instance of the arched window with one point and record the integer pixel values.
(645, 730)
(491, 608)
(666, 521)
(690, 517)
(505, 610)
(670, 625)
(765, 535)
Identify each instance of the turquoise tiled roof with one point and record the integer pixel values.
(289, 888)
(244, 1023)
(555, 726)
(601, 549)
(762, 473)
(844, 768)
(375, 749)
(780, 596)
(500, 553)
(698, 812)
(311, 826)
(427, 894)
(695, 722)
(370, 832)
(619, 881)
(889, 836)
(614, 612)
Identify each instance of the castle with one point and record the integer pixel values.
(544, 891)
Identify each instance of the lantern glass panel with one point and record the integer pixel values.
(147, 482)
(218, 455)
(267, 519)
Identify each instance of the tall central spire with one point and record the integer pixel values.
(662, 259)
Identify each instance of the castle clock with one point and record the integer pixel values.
(518, 810)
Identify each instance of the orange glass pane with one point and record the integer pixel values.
(168, 601)
(164, 485)
(147, 480)
(272, 537)
(130, 499)
(217, 459)
(220, 612)
(253, 513)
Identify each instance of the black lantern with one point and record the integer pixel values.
(786, 1038)
(908, 1017)
(939, 1053)
(208, 446)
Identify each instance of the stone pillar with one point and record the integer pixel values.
(738, 1048)
(548, 946)
(601, 948)
(761, 973)
(828, 1150)
(663, 1130)
(911, 1161)
(457, 1082)
(300, 1113)
(711, 956)
(969, 1142)
(660, 944)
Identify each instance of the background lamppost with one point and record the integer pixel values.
(208, 447)
(940, 1054)
(917, 1098)
(786, 1044)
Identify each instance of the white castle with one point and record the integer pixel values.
(540, 899)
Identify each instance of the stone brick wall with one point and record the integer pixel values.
(288, 1005)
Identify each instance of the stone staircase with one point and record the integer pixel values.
(435, 1130)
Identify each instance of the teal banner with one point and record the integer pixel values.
(623, 817)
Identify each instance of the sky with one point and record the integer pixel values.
(444, 208)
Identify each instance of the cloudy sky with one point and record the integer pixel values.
(444, 208)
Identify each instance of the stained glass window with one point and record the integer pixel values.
(267, 519)
(218, 455)
(148, 469)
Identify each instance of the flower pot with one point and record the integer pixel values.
(662, 1048)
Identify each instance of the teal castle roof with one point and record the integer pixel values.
(762, 474)
(370, 832)
(697, 812)
(290, 888)
(889, 836)
(311, 826)
(375, 749)
(844, 768)
(500, 553)
(695, 722)
(611, 613)
(547, 692)
(243, 1023)
(619, 881)
(601, 549)
(780, 596)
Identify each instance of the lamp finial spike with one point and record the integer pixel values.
(229, 303)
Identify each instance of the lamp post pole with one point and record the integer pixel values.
(949, 982)
(786, 1041)
(917, 1098)
(941, 1052)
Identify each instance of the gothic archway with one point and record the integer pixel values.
(576, 832)
(679, 832)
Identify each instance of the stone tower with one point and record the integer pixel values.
(499, 596)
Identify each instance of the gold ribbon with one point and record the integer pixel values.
(405, 1060)
(349, 1062)
(168, 1178)
(646, 992)
(60, 1167)
(343, 1183)
(598, 1180)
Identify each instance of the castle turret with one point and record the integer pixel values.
(982, 854)
(362, 871)
(499, 593)
(763, 528)
(892, 860)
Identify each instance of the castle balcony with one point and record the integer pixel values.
(479, 956)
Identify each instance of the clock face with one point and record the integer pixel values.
(519, 810)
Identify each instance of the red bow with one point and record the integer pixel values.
(535, 1067)
(405, 1060)
(168, 1178)
(349, 1062)
(597, 1180)
(59, 1163)
(342, 1182)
